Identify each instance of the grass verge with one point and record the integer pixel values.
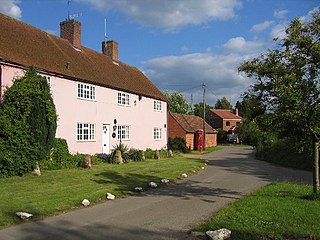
(277, 211)
(207, 150)
(61, 190)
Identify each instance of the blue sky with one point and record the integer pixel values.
(178, 44)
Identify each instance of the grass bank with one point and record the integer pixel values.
(61, 190)
(277, 211)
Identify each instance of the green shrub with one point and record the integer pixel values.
(284, 152)
(135, 155)
(27, 124)
(124, 152)
(72, 161)
(222, 136)
(178, 144)
(149, 153)
(60, 150)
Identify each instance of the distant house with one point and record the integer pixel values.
(100, 100)
(186, 126)
(223, 119)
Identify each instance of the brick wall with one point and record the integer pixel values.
(190, 140)
(174, 128)
(211, 139)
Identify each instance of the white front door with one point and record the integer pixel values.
(105, 138)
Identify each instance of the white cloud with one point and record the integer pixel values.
(10, 8)
(279, 31)
(261, 26)
(308, 17)
(170, 15)
(240, 45)
(281, 14)
(186, 73)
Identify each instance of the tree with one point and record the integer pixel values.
(177, 103)
(289, 86)
(27, 124)
(198, 109)
(223, 103)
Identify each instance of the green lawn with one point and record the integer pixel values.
(277, 211)
(207, 150)
(62, 190)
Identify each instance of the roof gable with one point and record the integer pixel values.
(25, 45)
(225, 114)
(191, 123)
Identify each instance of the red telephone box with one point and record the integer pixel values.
(199, 140)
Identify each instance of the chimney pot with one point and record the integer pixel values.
(110, 48)
(71, 30)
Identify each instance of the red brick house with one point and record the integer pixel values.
(186, 126)
(223, 119)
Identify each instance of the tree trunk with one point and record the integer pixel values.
(316, 185)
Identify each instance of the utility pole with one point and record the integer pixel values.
(204, 115)
(191, 102)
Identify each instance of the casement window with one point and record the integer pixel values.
(85, 132)
(157, 106)
(157, 133)
(123, 99)
(48, 78)
(124, 132)
(228, 123)
(86, 91)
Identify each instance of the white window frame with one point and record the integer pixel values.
(123, 99)
(48, 78)
(86, 132)
(157, 105)
(157, 133)
(86, 91)
(123, 132)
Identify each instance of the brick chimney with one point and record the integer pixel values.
(110, 48)
(236, 111)
(71, 30)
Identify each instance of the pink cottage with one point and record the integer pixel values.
(100, 101)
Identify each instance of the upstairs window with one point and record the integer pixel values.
(48, 78)
(123, 99)
(157, 106)
(86, 91)
(124, 132)
(157, 133)
(228, 123)
(85, 132)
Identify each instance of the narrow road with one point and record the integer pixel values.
(168, 212)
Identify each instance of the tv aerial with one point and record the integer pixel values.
(72, 16)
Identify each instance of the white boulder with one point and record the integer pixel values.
(23, 215)
(138, 189)
(153, 185)
(165, 181)
(220, 234)
(85, 202)
(184, 175)
(110, 196)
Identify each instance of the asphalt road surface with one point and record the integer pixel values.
(168, 212)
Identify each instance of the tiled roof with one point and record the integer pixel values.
(191, 123)
(25, 45)
(225, 114)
